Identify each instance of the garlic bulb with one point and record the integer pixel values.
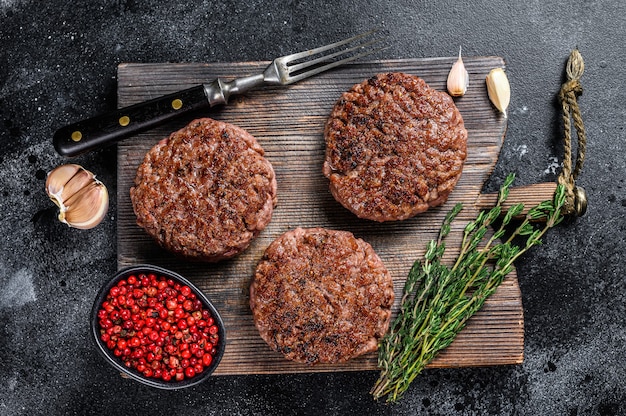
(83, 200)
(499, 89)
(458, 78)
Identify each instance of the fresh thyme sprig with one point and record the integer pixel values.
(438, 299)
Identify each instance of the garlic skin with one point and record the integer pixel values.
(458, 78)
(499, 89)
(83, 200)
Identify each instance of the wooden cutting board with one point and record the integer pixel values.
(288, 122)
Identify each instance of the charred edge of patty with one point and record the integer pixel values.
(186, 222)
(310, 320)
(379, 142)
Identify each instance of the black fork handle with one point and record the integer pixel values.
(106, 129)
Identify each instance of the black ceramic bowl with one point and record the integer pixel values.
(118, 364)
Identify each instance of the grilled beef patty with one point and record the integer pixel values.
(206, 191)
(394, 147)
(321, 295)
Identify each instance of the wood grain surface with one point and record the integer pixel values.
(288, 122)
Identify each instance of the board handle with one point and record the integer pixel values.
(529, 195)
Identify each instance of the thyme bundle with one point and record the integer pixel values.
(439, 299)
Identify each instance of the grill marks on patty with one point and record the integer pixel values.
(394, 147)
(206, 191)
(321, 295)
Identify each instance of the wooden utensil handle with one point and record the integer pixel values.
(529, 195)
(108, 128)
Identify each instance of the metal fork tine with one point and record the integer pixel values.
(331, 65)
(306, 64)
(315, 51)
(288, 74)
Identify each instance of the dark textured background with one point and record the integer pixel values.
(58, 64)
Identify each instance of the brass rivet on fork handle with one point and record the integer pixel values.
(576, 198)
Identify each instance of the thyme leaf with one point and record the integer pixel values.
(438, 299)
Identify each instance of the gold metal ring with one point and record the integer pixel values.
(580, 201)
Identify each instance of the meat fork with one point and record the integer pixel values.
(111, 127)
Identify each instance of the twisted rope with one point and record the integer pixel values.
(568, 94)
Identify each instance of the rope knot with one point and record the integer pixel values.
(575, 199)
(573, 86)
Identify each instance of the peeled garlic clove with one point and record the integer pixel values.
(83, 200)
(499, 89)
(458, 78)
